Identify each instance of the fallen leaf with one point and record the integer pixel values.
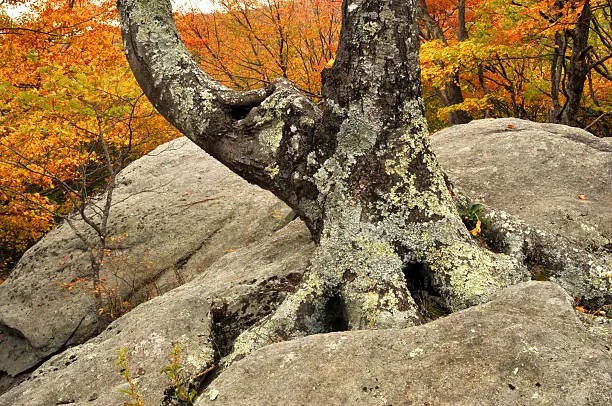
(582, 197)
(510, 126)
(476, 231)
(581, 309)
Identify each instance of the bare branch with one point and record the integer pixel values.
(600, 61)
(602, 115)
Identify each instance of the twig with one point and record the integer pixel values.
(197, 201)
(597, 119)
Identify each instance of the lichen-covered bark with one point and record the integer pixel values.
(361, 172)
(263, 135)
(383, 199)
(584, 275)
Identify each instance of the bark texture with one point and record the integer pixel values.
(359, 171)
(568, 75)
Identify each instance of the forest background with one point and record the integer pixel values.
(72, 115)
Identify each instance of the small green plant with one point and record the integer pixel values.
(132, 392)
(471, 214)
(179, 393)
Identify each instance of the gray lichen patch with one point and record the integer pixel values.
(357, 135)
(276, 119)
(465, 274)
(270, 137)
(201, 359)
(371, 303)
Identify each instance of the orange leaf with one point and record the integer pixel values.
(582, 197)
(476, 231)
(510, 126)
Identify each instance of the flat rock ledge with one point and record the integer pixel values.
(525, 347)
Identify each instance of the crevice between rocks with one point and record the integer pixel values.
(8, 381)
(231, 318)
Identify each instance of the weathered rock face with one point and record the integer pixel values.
(177, 211)
(200, 316)
(527, 346)
(185, 214)
(536, 172)
(546, 188)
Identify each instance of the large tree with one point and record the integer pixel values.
(357, 168)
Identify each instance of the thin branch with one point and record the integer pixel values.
(597, 119)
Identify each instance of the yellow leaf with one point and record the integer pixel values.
(476, 231)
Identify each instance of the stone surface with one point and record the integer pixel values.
(526, 347)
(536, 172)
(234, 291)
(176, 211)
(547, 189)
(186, 215)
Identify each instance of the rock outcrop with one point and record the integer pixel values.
(176, 212)
(526, 347)
(202, 317)
(547, 194)
(181, 218)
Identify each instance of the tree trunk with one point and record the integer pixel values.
(569, 77)
(360, 173)
(578, 68)
(451, 94)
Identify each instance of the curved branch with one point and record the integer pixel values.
(263, 135)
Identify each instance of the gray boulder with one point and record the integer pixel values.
(547, 189)
(176, 211)
(202, 317)
(186, 215)
(525, 347)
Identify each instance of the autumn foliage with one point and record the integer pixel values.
(65, 87)
(64, 81)
(519, 59)
(248, 43)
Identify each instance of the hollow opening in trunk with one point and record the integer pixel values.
(238, 113)
(335, 315)
(419, 284)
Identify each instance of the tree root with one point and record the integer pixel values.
(365, 278)
(584, 275)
